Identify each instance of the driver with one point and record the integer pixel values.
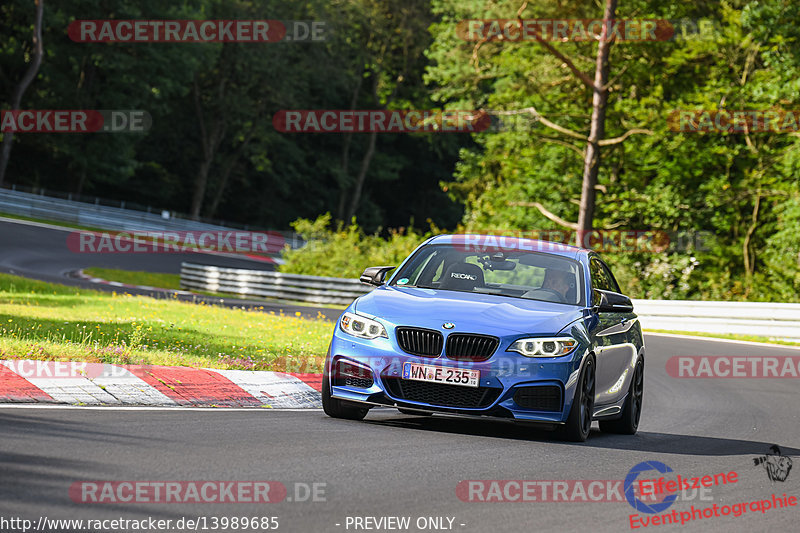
(559, 281)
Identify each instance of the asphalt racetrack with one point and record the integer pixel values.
(406, 466)
(390, 465)
(40, 251)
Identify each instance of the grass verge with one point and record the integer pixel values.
(132, 277)
(728, 336)
(53, 322)
(49, 222)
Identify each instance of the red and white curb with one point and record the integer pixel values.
(27, 381)
(100, 281)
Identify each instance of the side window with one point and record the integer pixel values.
(611, 280)
(435, 274)
(417, 269)
(600, 277)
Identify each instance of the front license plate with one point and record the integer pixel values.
(441, 374)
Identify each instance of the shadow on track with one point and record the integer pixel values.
(43, 427)
(34, 480)
(643, 441)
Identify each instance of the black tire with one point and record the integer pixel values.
(337, 408)
(628, 423)
(579, 421)
(415, 413)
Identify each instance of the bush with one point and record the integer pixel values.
(346, 251)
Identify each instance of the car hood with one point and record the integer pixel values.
(478, 313)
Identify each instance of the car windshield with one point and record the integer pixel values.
(515, 273)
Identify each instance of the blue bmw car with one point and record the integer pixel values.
(488, 326)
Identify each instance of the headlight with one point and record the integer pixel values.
(362, 327)
(544, 347)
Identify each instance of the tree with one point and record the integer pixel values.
(22, 86)
(387, 50)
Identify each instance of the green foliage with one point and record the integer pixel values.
(345, 251)
(742, 189)
(48, 321)
(231, 91)
(405, 54)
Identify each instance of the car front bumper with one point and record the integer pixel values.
(511, 386)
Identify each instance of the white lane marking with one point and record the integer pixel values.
(37, 224)
(714, 339)
(150, 408)
(275, 389)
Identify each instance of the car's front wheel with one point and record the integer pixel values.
(579, 421)
(338, 408)
(628, 423)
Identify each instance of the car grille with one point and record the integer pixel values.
(471, 347)
(440, 394)
(351, 375)
(418, 341)
(360, 383)
(544, 398)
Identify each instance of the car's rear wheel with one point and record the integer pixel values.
(628, 423)
(336, 408)
(579, 421)
(412, 412)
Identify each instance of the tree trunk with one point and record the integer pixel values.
(748, 254)
(367, 159)
(362, 175)
(19, 90)
(200, 181)
(230, 164)
(210, 141)
(597, 128)
(81, 181)
(345, 166)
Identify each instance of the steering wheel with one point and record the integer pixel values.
(559, 297)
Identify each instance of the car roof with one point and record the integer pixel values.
(513, 243)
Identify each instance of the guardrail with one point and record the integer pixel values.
(266, 284)
(765, 319)
(94, 215)
(752, 318)
(97, 215)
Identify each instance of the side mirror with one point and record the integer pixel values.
(610, 302)
(375, 275)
